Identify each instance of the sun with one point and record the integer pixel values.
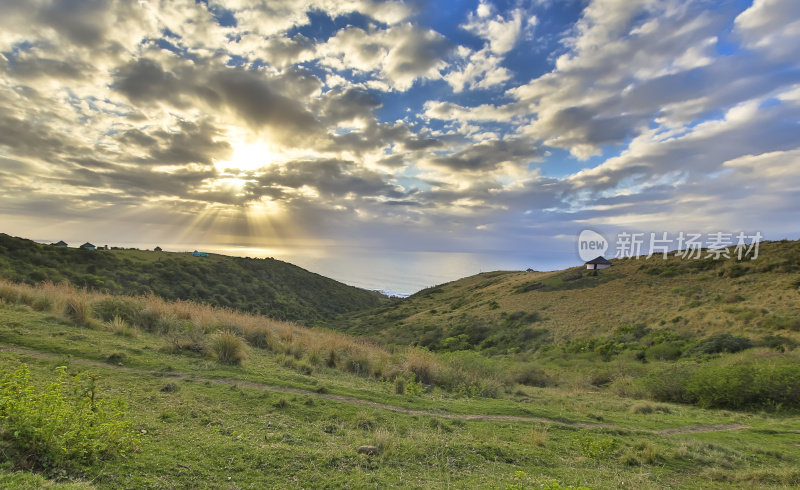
(249, 155)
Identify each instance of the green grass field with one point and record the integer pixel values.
(265, 424)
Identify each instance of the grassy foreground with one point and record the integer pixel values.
(267, 422)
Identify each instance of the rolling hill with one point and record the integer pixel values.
(267, 286)
(509, 312)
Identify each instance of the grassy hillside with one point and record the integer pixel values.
(635, 303)
(200, 397)
(266, 286)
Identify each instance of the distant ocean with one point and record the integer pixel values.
(393, 272)
(404, 273)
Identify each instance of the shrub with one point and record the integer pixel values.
(667, 351)
(110, 308)
(531, 375)
(668, 384)
(146, 319)
(258, 337)
(778, 322)
(170, 388)
(400, 386)
(572, 275)
(724, 342)
(60, 426)
(778, 342)
(597, 448)
(229, 348)
(750, 384)
(422, 364)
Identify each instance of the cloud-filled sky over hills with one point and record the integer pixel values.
(500, 128)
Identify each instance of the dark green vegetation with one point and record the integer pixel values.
(266, 286)
(265, 424)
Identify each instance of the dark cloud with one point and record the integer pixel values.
(142, 181)
(28, 68)
(144, 81)
(251, 96)
(191, 143)
(80, 21)
(413, 144)
(369, 138)
(137, 137)
(591, 127)
(348, 105)
(331, 178)
(487, 156)
(32, 140)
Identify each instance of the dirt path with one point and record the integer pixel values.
(696, 429)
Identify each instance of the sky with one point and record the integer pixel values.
(396, 145)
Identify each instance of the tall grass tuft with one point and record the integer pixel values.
(78, 309)
(229, 348)
(120, 327)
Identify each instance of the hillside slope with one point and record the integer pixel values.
(508, 311)
(267, 286)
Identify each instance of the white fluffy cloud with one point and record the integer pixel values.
(481, 69)
(397, 56)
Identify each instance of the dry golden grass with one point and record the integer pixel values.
(229, 334)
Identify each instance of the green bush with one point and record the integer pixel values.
(124, 308)
(530, 375)
(716, 344)
(60, 426)
(591, 446)
(668, 384)
(666, 351)
(747, 385)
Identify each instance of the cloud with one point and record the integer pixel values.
(481, 69)
(477, 70)
(349, 105)
(488, 155)
(397, 56)
(189, 142)
(630, 64)
(358, 120)
(323, 181)
(145, 81)
(771, 27)
(500, 32)
(250, 95)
